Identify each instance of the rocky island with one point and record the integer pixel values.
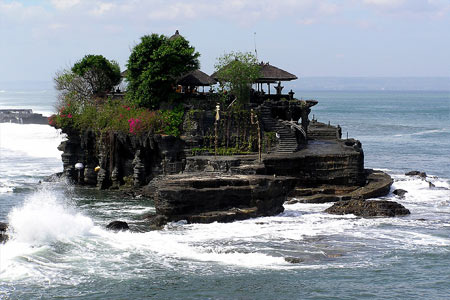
(224, 155)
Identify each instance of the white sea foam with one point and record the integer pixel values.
(32, 140)
(44, 219)
(303, 230)
(424, 132)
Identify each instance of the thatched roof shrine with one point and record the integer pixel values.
(271, 74)
(196, 78)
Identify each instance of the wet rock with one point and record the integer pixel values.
(377, 184)
(201, 198)
(3, 227)
(294, 260)
(430, 184)
(157, 221)
(399, 192)
(319, 198)
(53, 178)
(3, 236)
(416, 173)
(368, 208)
(118, 226)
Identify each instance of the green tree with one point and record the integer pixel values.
(154, 65)
(91, 77)
(236, 71)
(100, 74)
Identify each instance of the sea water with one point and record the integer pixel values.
(60, 248)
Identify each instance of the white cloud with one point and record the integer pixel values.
(416, 7)
(64, 4)
(16, 12)
(102, 8)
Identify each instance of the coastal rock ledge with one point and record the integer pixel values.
(206, 198)
(368, 208)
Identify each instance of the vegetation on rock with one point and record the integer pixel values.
(236, 71)
(114, 115)
(91, 77)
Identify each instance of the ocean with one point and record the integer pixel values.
(60, 248)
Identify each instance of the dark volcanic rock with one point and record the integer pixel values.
(378, 184)
(3, 227)
(368, 208)
(3, 236)
(399, 192)
(294, 260)
(53, 178)
(200, 198)
(117, 226)
(157, 221)
(416, 173)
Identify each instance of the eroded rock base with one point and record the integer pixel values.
(206, 198)
(378, 184)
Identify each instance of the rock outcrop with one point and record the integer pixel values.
(123, 159)
(368, 208)
(207, 188)
(378, 184)
(3, 236)
(400, 192)
(416, 173)
(202, 198)
(118, 226)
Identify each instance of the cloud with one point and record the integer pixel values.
(416, 7)
(64, 4)
(102, 8)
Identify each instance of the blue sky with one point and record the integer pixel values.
(305, 37)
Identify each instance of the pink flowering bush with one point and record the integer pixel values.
(135, 125)
(114, 115)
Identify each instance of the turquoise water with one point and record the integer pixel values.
(61, 250)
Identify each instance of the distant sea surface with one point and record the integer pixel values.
(60, 249)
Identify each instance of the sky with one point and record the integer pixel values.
(333, 38)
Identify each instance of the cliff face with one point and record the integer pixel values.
(136, 159)
(122, 158)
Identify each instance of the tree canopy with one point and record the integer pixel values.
(154, 66)
(91, 77)
(100, 74)
(236, 71)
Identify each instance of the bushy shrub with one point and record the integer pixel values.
(114, 115)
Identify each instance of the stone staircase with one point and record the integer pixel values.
(287, 139)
